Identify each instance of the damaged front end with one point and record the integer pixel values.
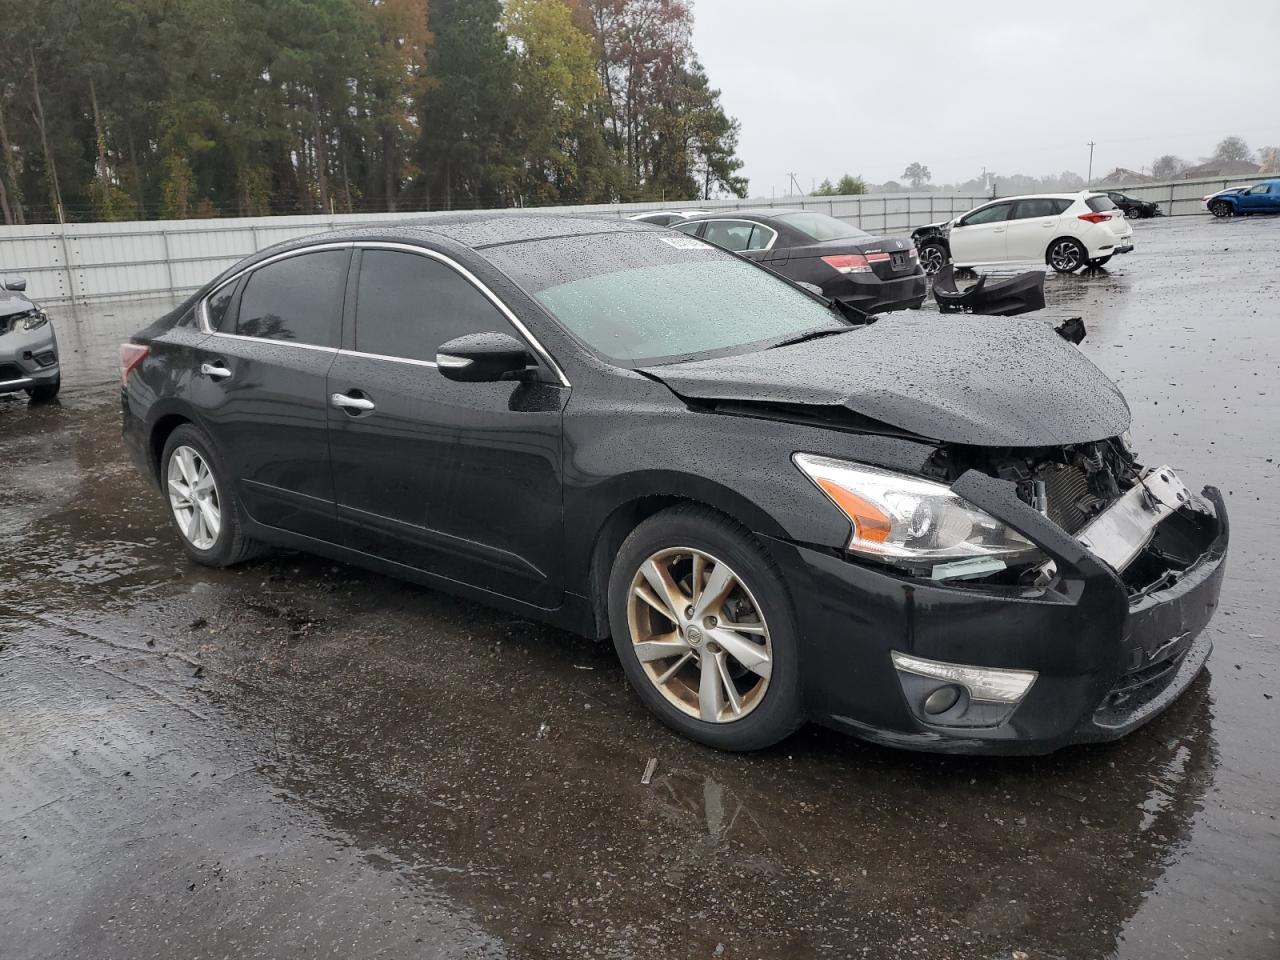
(1143, 522)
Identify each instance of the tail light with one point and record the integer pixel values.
(131, 354)
(848, 263)
(1095, 217)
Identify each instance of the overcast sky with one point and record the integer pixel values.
(824, 87)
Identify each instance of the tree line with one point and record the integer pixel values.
(137, 109)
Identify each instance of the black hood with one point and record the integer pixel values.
(12, 303)
(985, 381)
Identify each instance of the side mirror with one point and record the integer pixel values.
(17, 285)
(482, 358)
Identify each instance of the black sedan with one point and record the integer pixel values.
(932, 536)
(1134, 208)
(872, 274)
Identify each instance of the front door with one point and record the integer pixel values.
(462, 480)
(979, 237)
(259, 387)
(1031, 226)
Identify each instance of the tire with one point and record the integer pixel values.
(1099, 262)
(759, 662)
(46, 391)
(933, 255)
(1066, 255)
(226, 545)
(1221, 209)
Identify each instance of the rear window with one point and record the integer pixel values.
(818, 226)
(1100, 204)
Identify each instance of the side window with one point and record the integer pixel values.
(992, 214)
(217, 304)
(689, 228)
(298, 299)
(761, 237)
(1038, 207)
(730, 234)
(1259, 188)
(407, 305)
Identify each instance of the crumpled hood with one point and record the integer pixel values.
(985, 381)
(11, 303)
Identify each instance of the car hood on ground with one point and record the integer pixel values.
(12, 303)
(985, 381)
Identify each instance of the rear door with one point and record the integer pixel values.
(980, 236)
(259, 385)
(462, 480)
(1031, 225)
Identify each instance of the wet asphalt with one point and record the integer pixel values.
(299, 759)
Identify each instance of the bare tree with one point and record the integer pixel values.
(1167, 167)
(1231, 148)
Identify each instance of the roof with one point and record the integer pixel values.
(483, 229)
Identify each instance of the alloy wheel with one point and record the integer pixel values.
(193, 495)
(699, 635)
(1064, 256)
(932, 258)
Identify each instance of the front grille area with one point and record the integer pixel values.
(11, 371)
(1136, 689)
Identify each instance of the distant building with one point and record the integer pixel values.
(1220, 168)
(1122, 176)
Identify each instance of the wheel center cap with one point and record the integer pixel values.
(693, 635)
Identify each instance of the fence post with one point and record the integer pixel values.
(66, 262)
(168, 259)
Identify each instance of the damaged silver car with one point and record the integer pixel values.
(28, 345)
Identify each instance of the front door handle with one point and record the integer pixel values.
(353, 404)
(215, 370)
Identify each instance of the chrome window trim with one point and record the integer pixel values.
(471, 278)
(763, 226)
(383, 356)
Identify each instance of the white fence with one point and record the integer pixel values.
(93, 261)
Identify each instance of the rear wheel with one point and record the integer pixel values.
(46, 391)
(202, 503)
(703, 626)
(1220, 209)
(1066, 255)
(933, 256)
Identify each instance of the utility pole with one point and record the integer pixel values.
(795, 185)
(1088, 181)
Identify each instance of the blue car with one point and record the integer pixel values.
(1262, 197)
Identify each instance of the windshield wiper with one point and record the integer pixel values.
(811, 335)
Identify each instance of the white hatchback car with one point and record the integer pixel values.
(1065, 230)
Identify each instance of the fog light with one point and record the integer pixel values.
(941, 700)
(956, 695)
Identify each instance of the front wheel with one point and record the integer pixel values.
(1066, 255)
(202, 504)
(702, 623)
(933, 256)
(1221, 209)
(46, 391)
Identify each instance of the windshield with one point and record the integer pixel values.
(640, 299)
(818, 226)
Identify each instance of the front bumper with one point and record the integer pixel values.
(28, 358)
(1105, 663)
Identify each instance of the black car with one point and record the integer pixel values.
(932, 536)
(872, 274)
(1134, 208)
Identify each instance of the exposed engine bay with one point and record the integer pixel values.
(1075, 486)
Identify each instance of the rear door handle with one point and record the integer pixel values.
(215, 370)
(358, 404)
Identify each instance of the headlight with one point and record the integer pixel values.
(36, 318)
(914, 522)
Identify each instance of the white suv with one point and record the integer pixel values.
(1065, 230)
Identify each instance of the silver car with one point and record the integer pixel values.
(28, 346)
